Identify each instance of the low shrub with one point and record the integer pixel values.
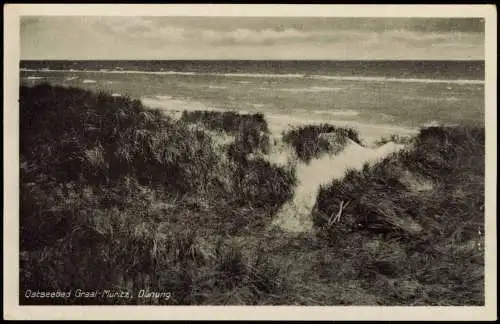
(428, 201)
(227, 121)
(308, 143)
(395, 138)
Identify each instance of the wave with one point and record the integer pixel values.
(216, 87)
(34, 78)
(436, 123)
(269, 75)
(89, 81)
(424, 98)
(337, 112)
(310, 89)
(404, 80)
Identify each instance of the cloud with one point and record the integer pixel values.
(196, 37)
(161, 31)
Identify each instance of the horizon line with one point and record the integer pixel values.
(233, 59)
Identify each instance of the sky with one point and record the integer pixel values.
(327, 38)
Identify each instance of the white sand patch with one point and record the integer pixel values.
(89, 81)
(175, 107)
(432, 123)
(164, 97)
(168, 104)
(295, 216)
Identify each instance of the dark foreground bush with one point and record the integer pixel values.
(426, 206)
(118, 197)
(68, 134)
(124, 254)
(309, 144)
(263, 185)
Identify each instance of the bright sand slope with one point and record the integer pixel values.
(295, 216)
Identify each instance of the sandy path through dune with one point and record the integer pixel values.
(295, 216)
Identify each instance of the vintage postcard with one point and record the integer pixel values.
(250, 162)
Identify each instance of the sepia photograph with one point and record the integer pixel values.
(251, 160)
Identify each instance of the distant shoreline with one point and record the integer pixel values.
(400, 69)
(275, 75)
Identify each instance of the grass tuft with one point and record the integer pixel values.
(415, 211)
(311, 141)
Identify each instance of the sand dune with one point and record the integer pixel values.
(295, 216)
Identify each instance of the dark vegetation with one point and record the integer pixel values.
(116, 196)
(398, 139)
(227, 121)
(422, 211)
(113, 194)
(308, 142)
(251, 131)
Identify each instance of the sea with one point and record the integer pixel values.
(404, 94)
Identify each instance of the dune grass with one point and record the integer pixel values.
(398, 139)
(227, 121)
(309, 143)
(117, 196)
(412, 224)
(251, 131)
